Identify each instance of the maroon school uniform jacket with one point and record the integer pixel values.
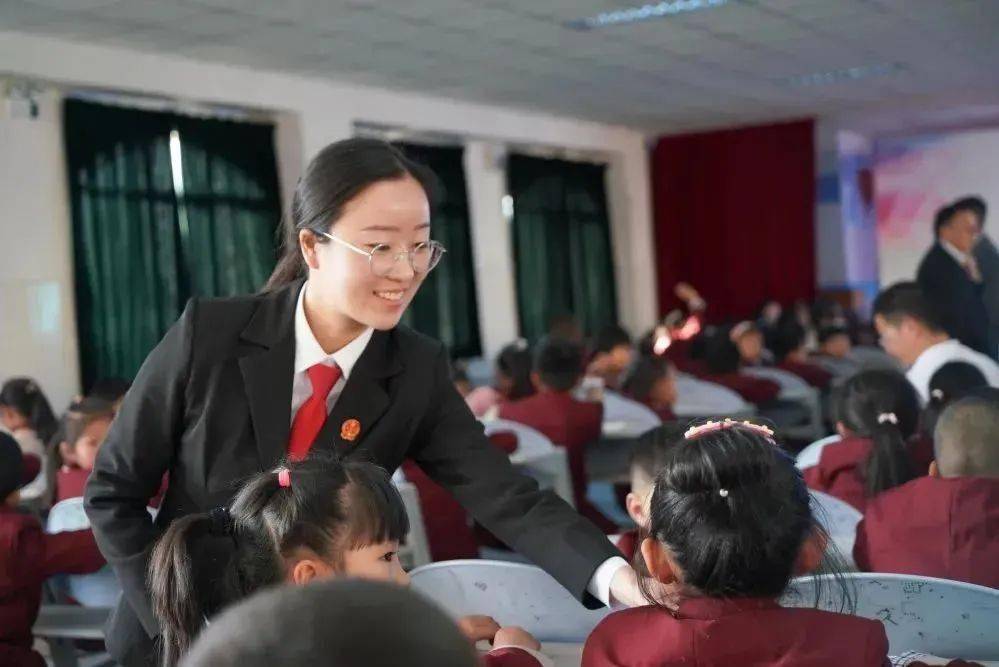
(70, 482)
(567, 423)
(752, 389)
(27, 558)
(707, 632)
(947, 528)
(814, 375)
(839, 471)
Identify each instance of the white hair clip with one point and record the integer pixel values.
(888, 418)
(937, 394)
(723, 493)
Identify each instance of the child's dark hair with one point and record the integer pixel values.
(734, 512)
(559, 363)
(348, 623)
(25, 396)
(610, 337)
(328, 506)
(642, 375)
(827, 333)
(514, 361)
(110, 389)
(787, 337)
(950, 383)
(651, 448)
(720, 354)
(883, 406)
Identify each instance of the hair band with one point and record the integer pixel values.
(284, 478)
(712, 426)
(888, 418)
(222, 523)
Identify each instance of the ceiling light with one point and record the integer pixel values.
(846, 74)
(642, 13)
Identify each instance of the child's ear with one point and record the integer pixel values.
(308, 569)
(636, 508)
(811, 553)
(659, 563)
(934, 470)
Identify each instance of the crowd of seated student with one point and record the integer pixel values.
(25, 412)
(946, 523)
(567, 421)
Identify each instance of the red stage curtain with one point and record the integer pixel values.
(735, 216)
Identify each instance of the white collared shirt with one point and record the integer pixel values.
(308, 353)
(959, 257)
(935, 356)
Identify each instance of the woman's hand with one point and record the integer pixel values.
(514, 636)
(477, 628)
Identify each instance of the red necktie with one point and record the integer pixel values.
(312, 415)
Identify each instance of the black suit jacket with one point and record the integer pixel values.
(211, 405)
(956, 297)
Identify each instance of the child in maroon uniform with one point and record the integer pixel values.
(647, 458)
(730, 524)
(28, 557)
(947, 524)
(878, 416)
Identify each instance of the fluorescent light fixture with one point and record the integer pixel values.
(642, 13)
(845, 74)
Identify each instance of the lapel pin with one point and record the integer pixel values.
(350, 430)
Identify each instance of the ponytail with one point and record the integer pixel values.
(883, 406)
(889, 463)
(320, 503)
(173, 587)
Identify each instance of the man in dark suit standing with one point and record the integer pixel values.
(987, 256)
(952, 280)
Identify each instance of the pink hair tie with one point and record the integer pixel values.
(284, 478)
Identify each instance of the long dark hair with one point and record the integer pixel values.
(515, 362)
(329, 507)
(24, 395)
(714, 507)
(340, 172)
(883, 406)
(951, 381)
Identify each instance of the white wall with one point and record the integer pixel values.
(311, 113)
(37, 321)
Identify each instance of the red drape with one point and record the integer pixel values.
(735, 216)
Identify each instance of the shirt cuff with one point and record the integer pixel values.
(600, 583)
(543, 659)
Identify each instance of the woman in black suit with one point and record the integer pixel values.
(231, 390)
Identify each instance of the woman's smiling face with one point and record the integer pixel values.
(395, 213)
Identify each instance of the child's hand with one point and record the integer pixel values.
(514, 636)
(686, 292)
(477, 628)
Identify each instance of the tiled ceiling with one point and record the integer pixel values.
(723, 65)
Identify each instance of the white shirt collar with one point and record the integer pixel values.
(958, 256)
(308, 351)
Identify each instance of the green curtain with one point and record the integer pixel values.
(562, 246)
(446, 307)
(141, 248)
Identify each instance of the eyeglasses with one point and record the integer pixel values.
(423, 257)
